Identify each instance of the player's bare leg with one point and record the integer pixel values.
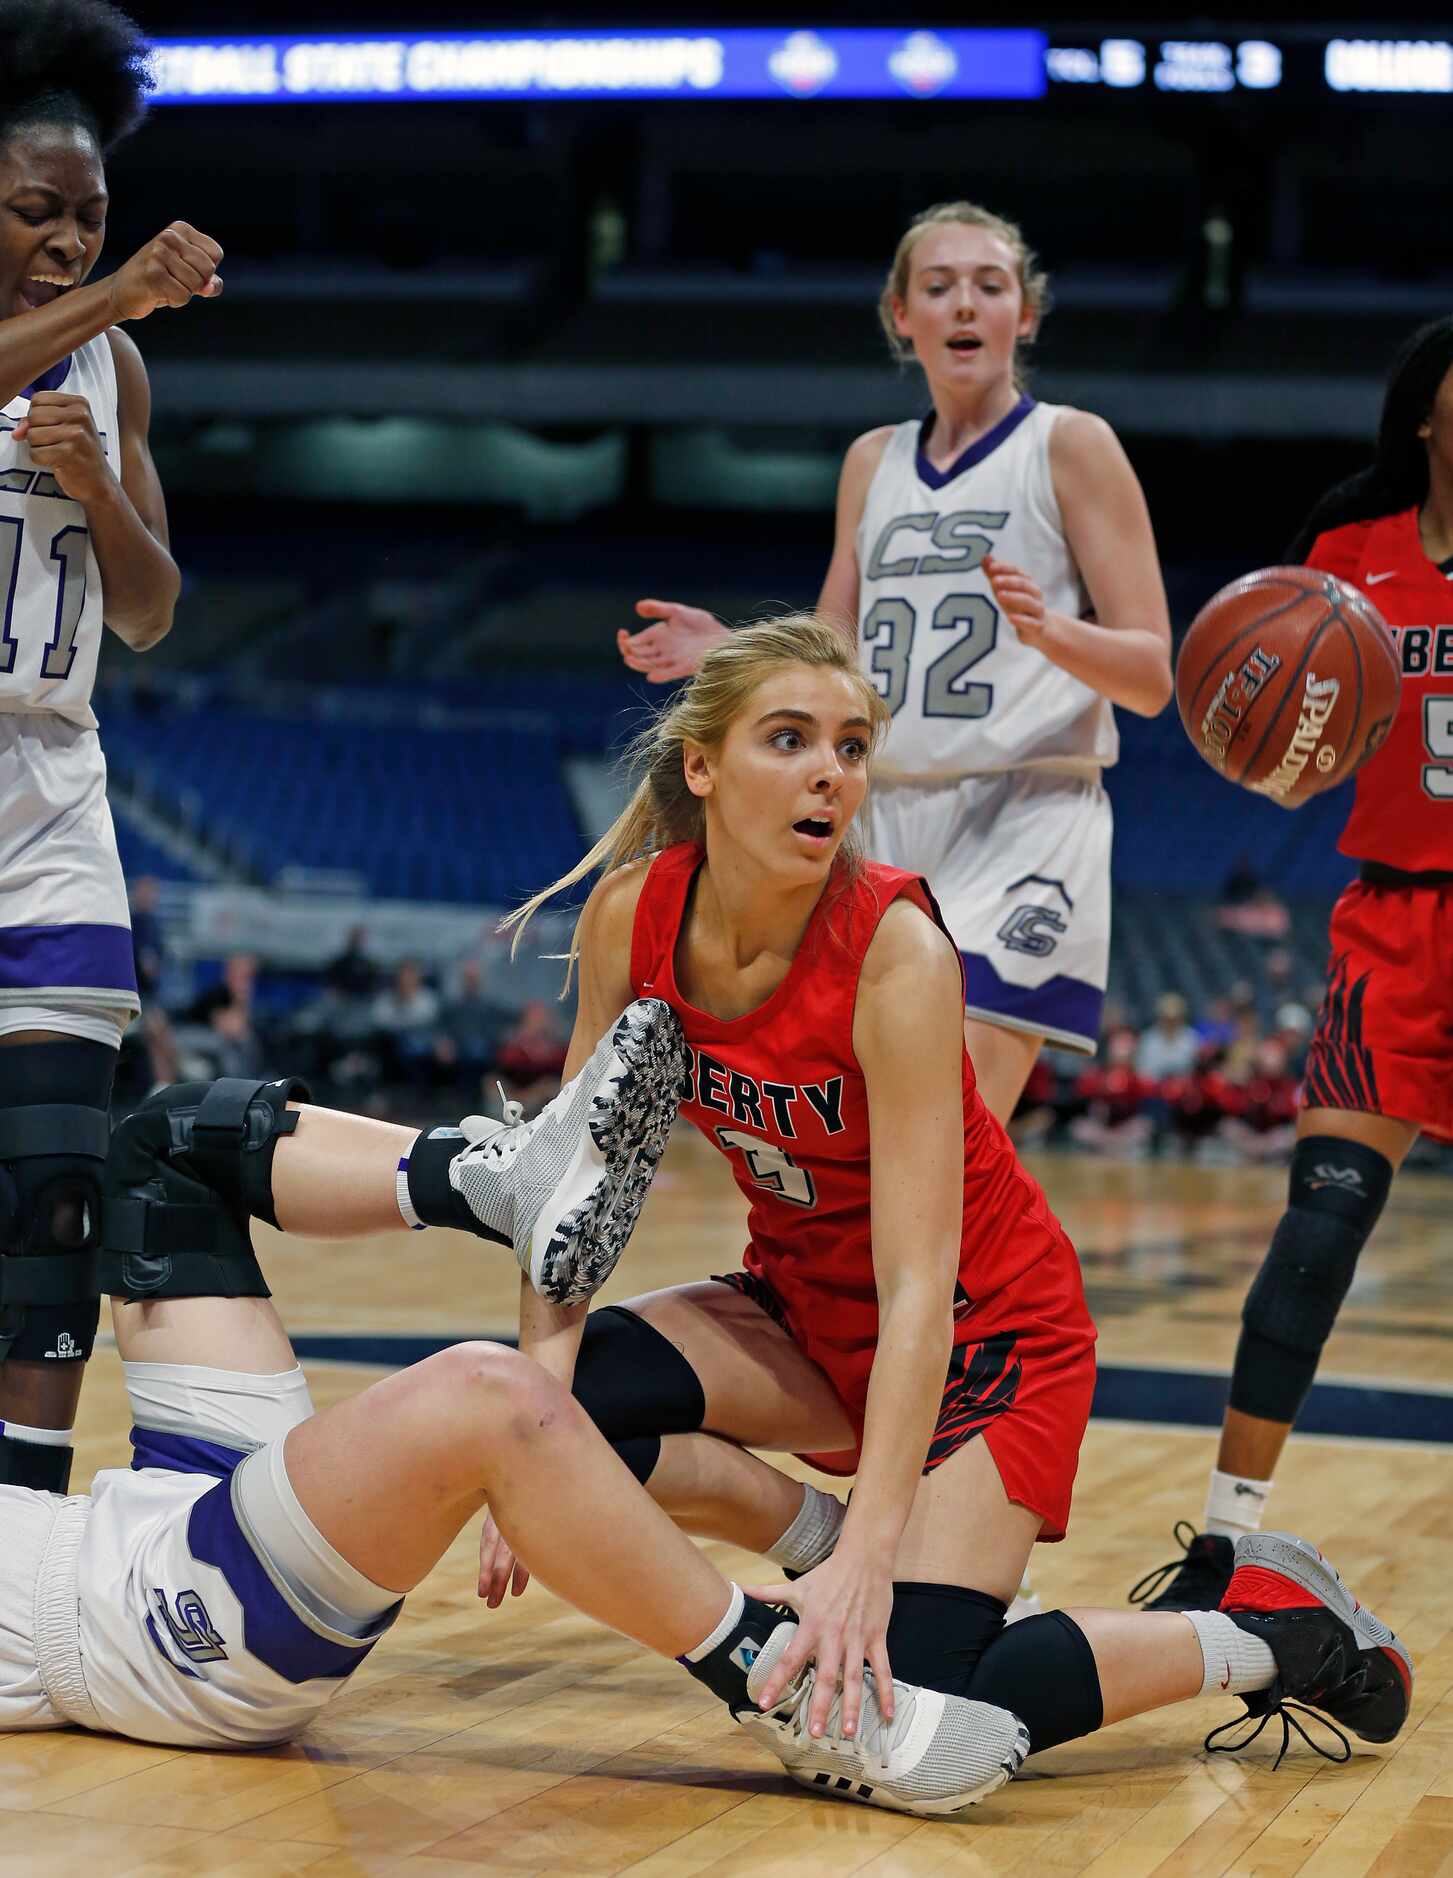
(1288, 1315)
(1002, 1060)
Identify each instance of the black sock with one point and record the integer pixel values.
(437, 1203)
(31, 1464)
(725, 1666)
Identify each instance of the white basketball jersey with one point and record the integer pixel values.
(967, 698)
(50, 584)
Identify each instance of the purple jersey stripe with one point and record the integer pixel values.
(272, 1630)
(1068, 1005)
(51, 380)
(986, 445)
(183, 1454)
(90, 958)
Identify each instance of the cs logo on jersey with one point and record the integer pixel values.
(189, 1630)
(1033, 929)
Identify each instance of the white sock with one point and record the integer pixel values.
(1234, 1662)
(813, 1534)
(731, 1618)
(1235, 1504)
(39, 1437)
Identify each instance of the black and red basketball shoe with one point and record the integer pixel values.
(1331, 1654)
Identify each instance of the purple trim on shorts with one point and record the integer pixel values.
(183, 1454)
(51, 380)
(1068, 1005)
(272, 1630)
(976, 452)
(90, 958)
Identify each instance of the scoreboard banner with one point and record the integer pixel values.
(1023, 63)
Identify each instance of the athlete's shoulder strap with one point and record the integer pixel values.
(658, 912)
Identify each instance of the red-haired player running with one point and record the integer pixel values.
(1380, 1069)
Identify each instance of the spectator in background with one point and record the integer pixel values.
(1115, 1093)
(149, 1053)
(146, 939)
(1169, 1048)
(1261, 916)
(471, 1024)
(353, 973)
(405, 1021)
(531, 1056)
(220, 1034)
(1264, 1124)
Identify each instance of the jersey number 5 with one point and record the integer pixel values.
(889, 630)
(68, 550)
(1438, 736)
(771, 1167)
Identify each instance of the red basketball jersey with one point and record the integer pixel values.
(780, 1092)
(1402, 814)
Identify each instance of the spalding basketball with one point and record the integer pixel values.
(1287, 680)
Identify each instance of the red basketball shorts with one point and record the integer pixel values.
(1021, 1374)
(1384, 1037)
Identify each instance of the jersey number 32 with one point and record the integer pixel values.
(889, 631)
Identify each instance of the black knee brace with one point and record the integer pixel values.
(185, 1175)
(1043, 1670)
(1337, 1189)
(54, 1131)
(634, 1383)
(937, 1634)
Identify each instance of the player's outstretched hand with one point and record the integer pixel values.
(61, 433)
(843, 1609)
(499, 1570)
(1018, 597)
(675, 646)
(178, 265)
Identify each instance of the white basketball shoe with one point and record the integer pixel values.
(939, 1754)
(567, 1188)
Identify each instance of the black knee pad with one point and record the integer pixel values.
(633, 1382)
(1043, 1670)
(938, 1633)
(1337, 1189)
(186, 1174)
(54, 1133)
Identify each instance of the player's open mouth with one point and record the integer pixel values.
(38, 290)
(815, 827)
(965, 343)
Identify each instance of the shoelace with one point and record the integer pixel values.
(497, 1141)
(1145, 1589)
(874, 1738)
(1287, 1714)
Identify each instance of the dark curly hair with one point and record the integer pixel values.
(1397, 477)
(78, 62)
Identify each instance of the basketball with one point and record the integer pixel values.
(1287, 682)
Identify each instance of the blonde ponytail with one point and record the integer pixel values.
(662, 810)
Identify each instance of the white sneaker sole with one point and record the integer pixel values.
(864, 1793)
(573, 1251)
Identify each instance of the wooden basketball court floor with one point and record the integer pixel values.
(531, 1741)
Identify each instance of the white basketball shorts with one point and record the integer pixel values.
(1019, 863)
(65, 929)
(148, 1608)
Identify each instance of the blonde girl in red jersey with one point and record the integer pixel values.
(1380, 1069)
(893, 1307)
